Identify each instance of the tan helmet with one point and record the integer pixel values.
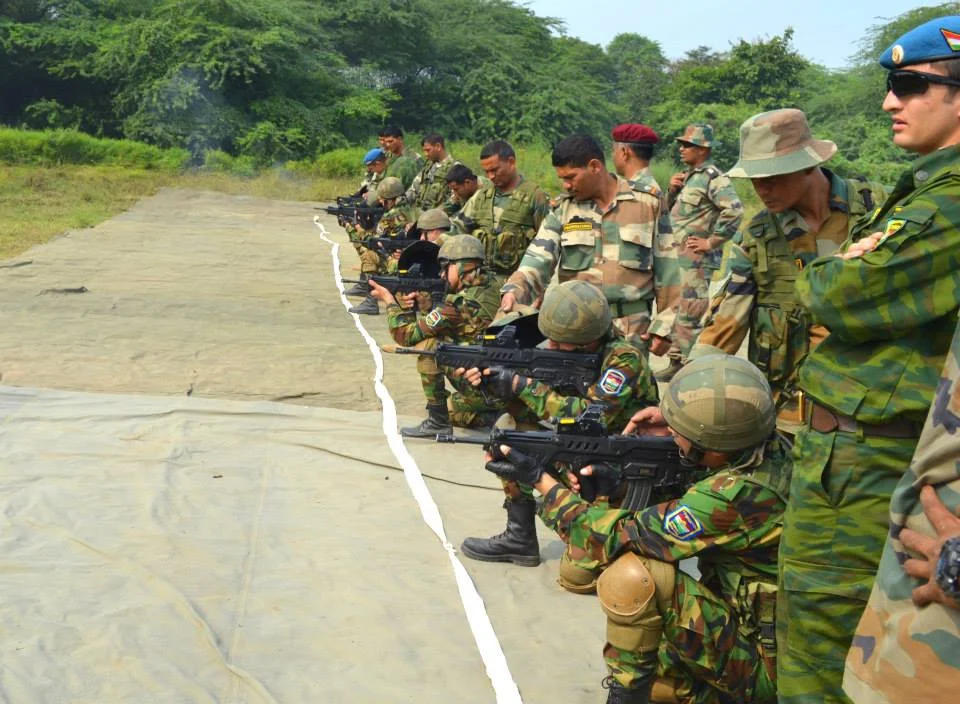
(390, 187)
(460, 248)
(575, 312)
(433, 219)
(720, 403)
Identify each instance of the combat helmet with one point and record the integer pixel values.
(459, 248)
(720, 403)
(433, 219)
(390, 187)
(575, 312)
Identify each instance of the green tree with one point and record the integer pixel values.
(640, 73)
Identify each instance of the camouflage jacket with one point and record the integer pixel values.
(460, 318)
(894, 636)
(370, 181)
(504, 222)
(758, 276)
(625, 385)
(429, 188)
(404, 167)
(706, 206)
(394, 221)
(890, 312)
(644, 182)
(731, 519)
(621, 251)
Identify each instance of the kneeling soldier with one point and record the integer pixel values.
(466, 311)
(575, 317)
(713, 638)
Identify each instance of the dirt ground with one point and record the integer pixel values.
(218, 297)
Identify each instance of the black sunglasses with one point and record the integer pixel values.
(906, 83)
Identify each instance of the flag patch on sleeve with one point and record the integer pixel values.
(433, 318)
(612, 381)
(682, 524)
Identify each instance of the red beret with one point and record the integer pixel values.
(635, 134)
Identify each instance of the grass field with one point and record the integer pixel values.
(39, 203)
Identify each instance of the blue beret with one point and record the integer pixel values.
(372, 155)
(932, 41)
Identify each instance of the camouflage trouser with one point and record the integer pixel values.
(834, 530)
(370, 261)
(704, 650)
(692, 307)
(468, 407)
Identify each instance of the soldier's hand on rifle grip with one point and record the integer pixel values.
(595, 480)
(380, 293)
(472, 376)
(503, 383)
(513, 466)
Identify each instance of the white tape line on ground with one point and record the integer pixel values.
(486, 639)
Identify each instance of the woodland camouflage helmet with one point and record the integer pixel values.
(459, 248)
(720, 403)
(574, 312)
(390, 187)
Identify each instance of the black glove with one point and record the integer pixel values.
(604, 481)
(499, 382)
(514, 467)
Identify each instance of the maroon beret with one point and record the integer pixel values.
(635, 134)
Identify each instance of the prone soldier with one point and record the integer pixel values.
(713, 639)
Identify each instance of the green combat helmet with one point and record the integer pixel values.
(575, 312)
(390, 187)
(433, 219)
(459, 248)
(720, 403)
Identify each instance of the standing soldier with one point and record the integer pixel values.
(466, 311)
(462, 183)
(504, 214)
(429, 188)
(889, 300)
(402, 163)
(809, 212)
(604, 232)
(705, 212)
(632, 151)
(398, 214)
(714, 638)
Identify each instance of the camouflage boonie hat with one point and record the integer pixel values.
(720, 403)
(461, 247)
(697, 133)
(433, 219)
(574, 312)
(390, 187)
(778, 142)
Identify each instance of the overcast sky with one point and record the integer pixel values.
(826, 33)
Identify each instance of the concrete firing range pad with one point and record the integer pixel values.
(172, 533)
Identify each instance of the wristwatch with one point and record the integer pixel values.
(947, 573)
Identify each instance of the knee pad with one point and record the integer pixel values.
(575, 578)
(632, 591)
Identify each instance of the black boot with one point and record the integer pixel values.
(359, 289)
(368, 306)
(619, 694)
(517, 544)
(438, 421)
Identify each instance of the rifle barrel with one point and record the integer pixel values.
(450, 437)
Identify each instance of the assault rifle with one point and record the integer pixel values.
(508, 346)
(649, 466)
(354, 210)
(417, 270)
(389, 245)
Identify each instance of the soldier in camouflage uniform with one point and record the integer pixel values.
(429, 188)
(809, 212)
(632, 151)
(402, 163)
(705, 212)
(714, 639)
(466, 311)
(504, 214)
(462, 183)
(604, 232)
(434, 226)
(575, 318)
(889, 300)
(897, 635)
(375, 162)
(398, 216)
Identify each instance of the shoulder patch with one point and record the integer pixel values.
(433, 318)
(682, 524)
(712, 171)
(611, 382)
